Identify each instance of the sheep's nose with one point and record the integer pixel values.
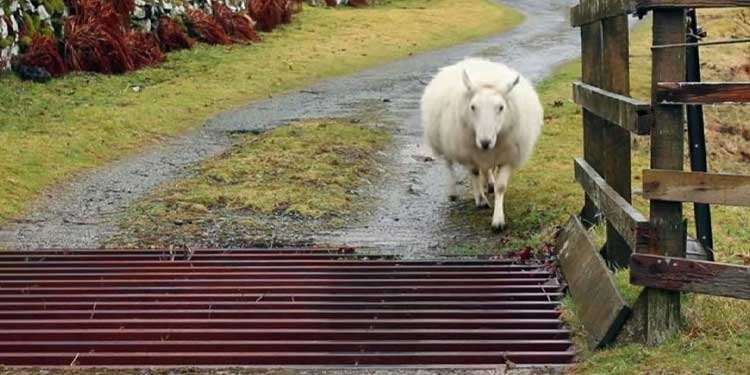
(485, 143)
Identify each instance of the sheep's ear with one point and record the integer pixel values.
(467, 81)
(513, 84)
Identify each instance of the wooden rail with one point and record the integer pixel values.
(679, 274)
(631, 114)
(683, 4)
(591, 11)
(601, 308)
(712, 188)
(703, 93)
(631, 224)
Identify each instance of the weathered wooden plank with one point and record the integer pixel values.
(616, 164)
(700, 187)
(589, 11)
(631, 114)
(598, 302)
(688, 275)
(593, 126)
(667, 150)
(629, 223)
(703, 93)
(683, 4)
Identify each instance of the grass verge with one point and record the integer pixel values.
(300, 175)
(50, 132)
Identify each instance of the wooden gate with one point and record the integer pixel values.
(654, 247)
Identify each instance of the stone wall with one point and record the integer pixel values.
(48, 16)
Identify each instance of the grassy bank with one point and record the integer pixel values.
(716, 336)
(295, 179)
(50, 132)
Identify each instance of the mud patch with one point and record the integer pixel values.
(269, 190)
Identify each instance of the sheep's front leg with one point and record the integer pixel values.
(478, 182)
(490, 180)
(452, 191)
(502, 177)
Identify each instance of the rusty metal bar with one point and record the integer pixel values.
(411, 297)
(339, 323)
(324, 274)
(74, 359)
(280, 334)
(41, 312)
(293, 346)
(273, 264)
(265, 306)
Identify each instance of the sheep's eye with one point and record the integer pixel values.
(500, 108)
(473, 108)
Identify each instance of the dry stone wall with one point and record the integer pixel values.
(20, 18)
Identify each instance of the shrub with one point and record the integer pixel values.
(95, 41)
(270, 13)
(144, 48)
(205, 28)
(172, 36)
(239, 27)
(44, 53)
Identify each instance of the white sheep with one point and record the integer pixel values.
(486, 117)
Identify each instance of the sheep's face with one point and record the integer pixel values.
(485, 111)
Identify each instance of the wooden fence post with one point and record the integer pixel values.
(605, 57)
(593, 129)
(616, 166)
(667, 138)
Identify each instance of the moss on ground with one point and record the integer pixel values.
(51, 132)
(303, 174)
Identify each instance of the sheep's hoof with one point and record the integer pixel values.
(490, 188)
(499, 228)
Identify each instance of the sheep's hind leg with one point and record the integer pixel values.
(501, 185)
(478, 182)
(452, 191)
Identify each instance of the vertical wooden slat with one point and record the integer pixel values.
(667, 138)
(616, 160)
(593, 126)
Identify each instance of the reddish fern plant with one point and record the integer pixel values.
(172, 36)
(92, 44)
(359, 3)
(44, 53)
(205, 28)
(287, 10)
(239, 27)
(124, 8)
(267, 13)
(145, 49)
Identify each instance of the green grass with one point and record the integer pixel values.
(310, 170)
(716, 336)
(51, 132)
(307, 169)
